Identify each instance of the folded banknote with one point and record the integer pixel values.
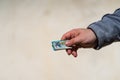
(60, 45)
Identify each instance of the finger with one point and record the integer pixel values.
(74, 41)
(71, 42)
(74, 53)
(66, 36)
(69, 51)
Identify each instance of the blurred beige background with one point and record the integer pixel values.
(27, 28)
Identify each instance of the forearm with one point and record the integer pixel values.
(107, 30)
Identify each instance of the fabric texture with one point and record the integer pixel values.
(107, 30)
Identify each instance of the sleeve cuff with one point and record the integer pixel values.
(99, 35)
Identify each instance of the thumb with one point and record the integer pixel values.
(71, 42)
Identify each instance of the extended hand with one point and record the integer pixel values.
(78, 38)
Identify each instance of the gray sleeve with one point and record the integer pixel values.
(107, 30)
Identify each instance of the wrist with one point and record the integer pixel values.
(94, 40)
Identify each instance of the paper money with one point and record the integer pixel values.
(59, 45)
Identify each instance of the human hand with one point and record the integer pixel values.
(79, 38)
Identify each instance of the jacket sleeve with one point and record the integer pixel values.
(107, 30)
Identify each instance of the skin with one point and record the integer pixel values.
(79, 38)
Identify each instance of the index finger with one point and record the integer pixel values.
(66, 36)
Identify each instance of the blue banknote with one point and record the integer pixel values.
(59, 45)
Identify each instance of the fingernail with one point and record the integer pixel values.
(67, 42)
